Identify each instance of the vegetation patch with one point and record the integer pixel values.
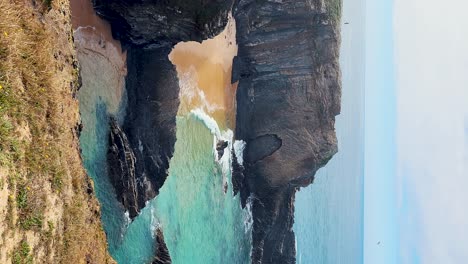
(335, 9)
(22, 254)
(46, 182)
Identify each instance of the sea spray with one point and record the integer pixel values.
(239, 147)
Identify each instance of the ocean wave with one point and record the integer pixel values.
(226, 135)
(208, 121)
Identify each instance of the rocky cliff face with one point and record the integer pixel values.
(149, 125)
(164, 23)
(162, 253)
(288, 97)
(148, 30)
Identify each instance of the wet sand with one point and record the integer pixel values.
(93, 37)
(204, 71)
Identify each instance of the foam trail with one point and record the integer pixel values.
(239, 146)
(209, 122)
(227, 135)
(248, 218)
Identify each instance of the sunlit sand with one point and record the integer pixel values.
(204, 71)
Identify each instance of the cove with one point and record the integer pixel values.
(201, 219)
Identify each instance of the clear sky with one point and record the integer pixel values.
(431, 58)
(416, 132)
(380, 218)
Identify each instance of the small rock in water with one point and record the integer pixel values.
(220, 146)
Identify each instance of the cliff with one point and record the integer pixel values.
(288, 96)
(287, 99)
(148, 30)
(48, 212)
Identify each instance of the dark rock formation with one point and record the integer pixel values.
(162, 253)
(149, 128)
(220, 146)
(287, 100)
(165, 22)
(121, 160)
(148, 30)
(150, 124)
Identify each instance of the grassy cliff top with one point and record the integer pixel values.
(48, 212)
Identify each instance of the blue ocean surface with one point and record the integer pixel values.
(329, 213)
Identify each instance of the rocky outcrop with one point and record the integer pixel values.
(164, 23)
(150, 124)
(148, 30)
(121, 160)
(287, 99)
(162, 253)
(221, 145)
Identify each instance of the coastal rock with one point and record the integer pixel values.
(288, 96)
(148, 30)
(121, 160)
(287, 99)
(164, 23)
(221, 145)
(148, 130)
(162, 253)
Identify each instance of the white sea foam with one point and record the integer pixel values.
(209, 107)
(209, 122)
(227, 135)
(127, 219)
(186, 83)
(239, 146)
(248, 218)
(154, 222)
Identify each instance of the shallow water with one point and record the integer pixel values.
(201, 223)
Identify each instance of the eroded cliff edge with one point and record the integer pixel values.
(48, 209)
(288, 96)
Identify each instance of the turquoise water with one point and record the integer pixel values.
(201, 224)
(329, 213)
(98, 98)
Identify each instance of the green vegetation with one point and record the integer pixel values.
(335, 9)
(38, 147)
(30, 212)
(22, 255)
